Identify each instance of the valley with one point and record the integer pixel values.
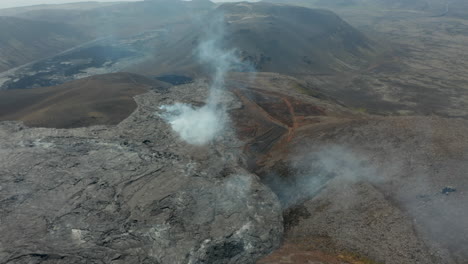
(102, 56)
(25, 40)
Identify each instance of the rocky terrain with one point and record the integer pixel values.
(131, 193)
(355, 187)
(387, 190)
(337, 139)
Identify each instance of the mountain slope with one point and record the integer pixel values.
(276, 38)
(431, 7)
(14, 11)
(122, 18)
(24, 40)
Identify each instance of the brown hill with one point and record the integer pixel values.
(98, 100)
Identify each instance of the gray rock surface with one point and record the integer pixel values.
(133, 193)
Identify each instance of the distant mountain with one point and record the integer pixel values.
(123, 18)
(25, 40)
(388, 3)
(13, 11)
(275, 38)
(432, 7)
(32, 33)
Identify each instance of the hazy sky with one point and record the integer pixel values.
(13, 3)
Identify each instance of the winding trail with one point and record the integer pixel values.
(295, 125)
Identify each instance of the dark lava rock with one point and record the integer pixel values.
(448, 190)
(80, 196)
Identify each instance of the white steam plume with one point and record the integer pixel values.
(195, 126)
(219, 60)
(198, 126)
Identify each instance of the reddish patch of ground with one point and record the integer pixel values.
(267, 119)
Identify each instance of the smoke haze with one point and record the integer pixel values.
(312, 170)
(199, 126)
(195, 126)
(18, 3)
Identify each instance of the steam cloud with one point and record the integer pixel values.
(312, 171)
(195, 126)
(198, 126)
